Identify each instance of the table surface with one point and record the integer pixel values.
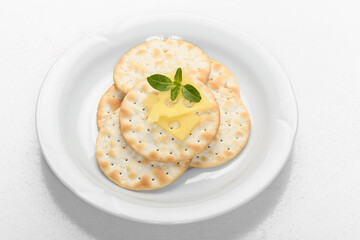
(316, 196)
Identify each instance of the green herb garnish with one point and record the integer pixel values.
(160, 82)
(191, 93)
(178, 76)
(174, 92)
(163, 83)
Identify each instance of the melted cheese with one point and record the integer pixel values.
(180, 127)
(176, 117)
(149, 102)
(181, 106)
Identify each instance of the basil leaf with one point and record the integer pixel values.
(178, 76)
(160, 82)
(191, 93)
(174, 92)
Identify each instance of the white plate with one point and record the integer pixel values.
(66, 125)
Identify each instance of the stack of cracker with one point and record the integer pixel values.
(139, 155)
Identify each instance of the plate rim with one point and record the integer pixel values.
(260, 48)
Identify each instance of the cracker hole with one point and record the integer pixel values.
(178, 163)
(167, 173)
(157, 150)
(185, 149)
(107, 154)
(140, 141)
(152, 165)
(126, 159)
(123, 147)
(112, 164)
(139, 161)
(113, 96)
(129, 120)
(198, 141)
(148, 130)
(216, 153)
(120, 173)
(170, 152)
(197, 156)
(172, 139)
(174, 125)
(134, 102)
(228, 148)
(153, 179)
(221, 140)
(108, 136)
(118, 140)
(139, 178)
(209, 146)
(226, 112)
(188, 104)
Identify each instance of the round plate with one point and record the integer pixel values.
(66, 120)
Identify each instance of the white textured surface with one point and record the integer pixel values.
(317, 195)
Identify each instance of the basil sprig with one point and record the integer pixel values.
(178, 76)
(174, 92)
(191, 93)
(163, 83)
(160, 82)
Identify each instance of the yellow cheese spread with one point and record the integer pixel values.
(176, 117)
(181, 106)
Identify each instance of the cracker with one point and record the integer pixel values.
(128, 169)
(220, 76)
(160, 56)
(234, 126)
(151, 141)
(109, 102)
